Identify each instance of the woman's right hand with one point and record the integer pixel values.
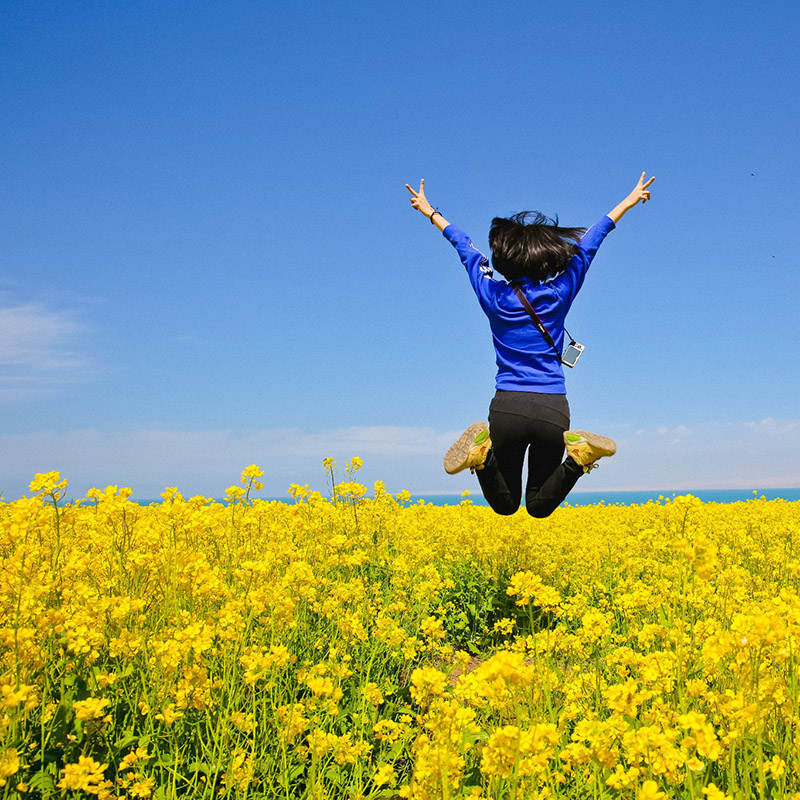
(640, 192)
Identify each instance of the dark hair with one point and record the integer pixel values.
(531, 245)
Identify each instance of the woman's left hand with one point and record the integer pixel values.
(419, 201)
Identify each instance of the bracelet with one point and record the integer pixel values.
(434, 213)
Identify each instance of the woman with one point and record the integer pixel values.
(544, 266)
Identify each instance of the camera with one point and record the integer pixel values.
(572, 352)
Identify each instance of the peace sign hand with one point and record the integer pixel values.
(640, 194)
(641, 191)
(419, 201)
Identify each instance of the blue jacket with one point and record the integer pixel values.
(525, 362)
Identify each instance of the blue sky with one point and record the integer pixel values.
(208, 259)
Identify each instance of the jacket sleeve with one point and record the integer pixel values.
(569, 282)
(475, 262)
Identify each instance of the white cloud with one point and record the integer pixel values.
(717, 455)
(670, 434)
(206, 462)
(774, 427)
(38, 347)
(735, 455)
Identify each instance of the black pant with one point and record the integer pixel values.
(520, 422)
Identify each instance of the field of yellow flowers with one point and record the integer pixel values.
(358, 647)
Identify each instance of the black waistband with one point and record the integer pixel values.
(536, 405)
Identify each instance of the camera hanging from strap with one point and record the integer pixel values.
(538, 323)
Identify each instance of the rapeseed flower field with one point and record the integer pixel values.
(355, 647)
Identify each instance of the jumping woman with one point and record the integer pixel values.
(544, 267)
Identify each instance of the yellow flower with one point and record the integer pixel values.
(48, 483)
(529, 588)
(432, 628)
(372, 694)
(169, 715)
(776, 767)
(234, 493)
(665, 653)
(139, 754)
(142, 788)
(384, 775)
(249, 475)
(292, 719)
(24, 695)
(427, 683)
(621, 778)
(650, 791)
(9, 764)
(504, 625)
(351, 489)
(387, 730)
(320, 685)
(524, 751)
(713, 793)
(85, 776)
(626, 698)
(91, 708)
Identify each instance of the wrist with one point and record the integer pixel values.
(435, 213)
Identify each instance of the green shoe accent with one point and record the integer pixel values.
(469, 451)
(586, 448)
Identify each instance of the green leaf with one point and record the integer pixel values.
(296, 771)
(470, 737)
(160, 793)
(42, 782)
(334, 775)
(396, 750)
(127, 740)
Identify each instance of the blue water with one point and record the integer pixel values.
(608, 498)
(637, 497)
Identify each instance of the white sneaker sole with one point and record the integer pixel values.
(608, 446)
(601, 446)
(455, 460)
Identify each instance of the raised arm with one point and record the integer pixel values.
(640, 192)
(420, 202)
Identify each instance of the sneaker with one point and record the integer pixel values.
(470, 449)
(585, 448)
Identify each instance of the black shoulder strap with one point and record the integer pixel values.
(536, 321)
